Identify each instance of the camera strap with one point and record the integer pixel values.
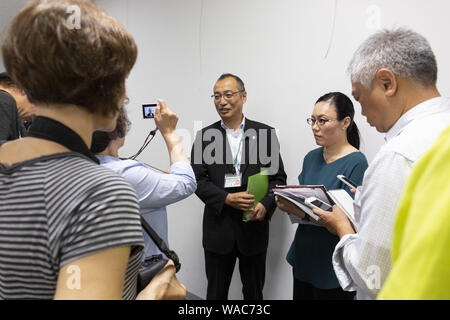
(161, 244)
(52, 130)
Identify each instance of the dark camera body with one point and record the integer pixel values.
(148, 110)
(149, 268)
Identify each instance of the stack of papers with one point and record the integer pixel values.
(298, 194)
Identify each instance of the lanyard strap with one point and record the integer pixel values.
(238, 152)
(50, 129)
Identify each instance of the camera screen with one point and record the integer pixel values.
(148, 111)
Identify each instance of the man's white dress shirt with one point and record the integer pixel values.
(362, 261)
(235, 139)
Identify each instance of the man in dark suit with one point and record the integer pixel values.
(11, 127)
(224, 155)
(16, 112)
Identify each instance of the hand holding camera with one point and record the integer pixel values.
(165, 120)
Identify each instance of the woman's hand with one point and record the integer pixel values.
(164, 286)
(289, 207)
(166, 122)
(165, 119)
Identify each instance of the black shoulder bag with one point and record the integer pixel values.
(153, 264)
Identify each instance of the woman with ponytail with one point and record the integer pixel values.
(311, 252)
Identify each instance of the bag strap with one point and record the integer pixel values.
(161, 244)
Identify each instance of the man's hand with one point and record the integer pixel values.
(240, 200)
(336, 221)
(289, 207)
(258, 213)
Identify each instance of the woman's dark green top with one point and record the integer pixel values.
(312, 249)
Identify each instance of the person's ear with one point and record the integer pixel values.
(347, 122)
(387, 80)
(244, 96)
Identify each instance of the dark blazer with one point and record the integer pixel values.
(211, 159)
(11, 126)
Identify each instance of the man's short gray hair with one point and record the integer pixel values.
(406, 53)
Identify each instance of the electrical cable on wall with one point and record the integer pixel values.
(200, 36)
(333, 27)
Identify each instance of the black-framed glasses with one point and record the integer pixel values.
(227, 95)
(320, 121)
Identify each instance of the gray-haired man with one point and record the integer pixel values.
(393, 76)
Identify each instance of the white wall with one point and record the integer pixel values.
(287, 54)
(7, 10)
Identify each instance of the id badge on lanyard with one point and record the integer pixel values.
(233, 180)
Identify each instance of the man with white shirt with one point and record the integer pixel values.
(224, 155)
(393, 75)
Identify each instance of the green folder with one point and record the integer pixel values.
(258, 185)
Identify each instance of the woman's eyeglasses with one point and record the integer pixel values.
(321, 121)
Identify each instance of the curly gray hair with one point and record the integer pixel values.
(406, 53)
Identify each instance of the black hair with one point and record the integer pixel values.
(6, 80)
(101, 140)
(240, 83)
(344, 108)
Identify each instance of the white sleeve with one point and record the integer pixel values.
(362, 261)
(156, 190)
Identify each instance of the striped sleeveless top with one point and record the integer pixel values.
(57, 209)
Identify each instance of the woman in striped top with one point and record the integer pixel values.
(69, 229)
